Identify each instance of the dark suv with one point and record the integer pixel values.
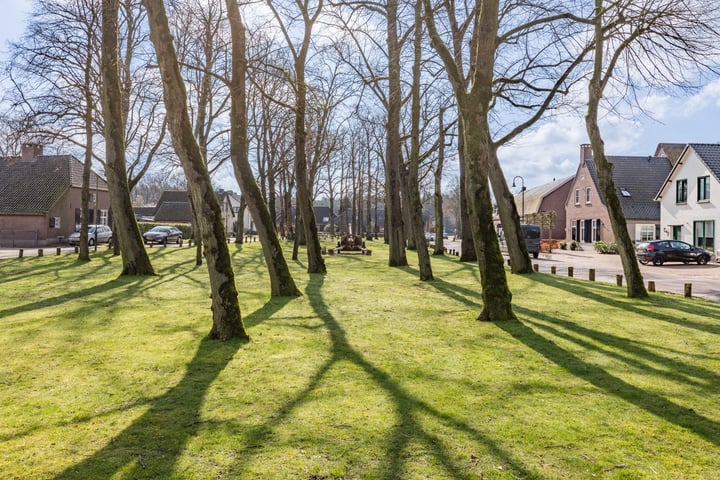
(661, 251)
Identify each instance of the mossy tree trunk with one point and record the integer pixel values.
(125, 228)
(281, 281)
(631, 269)
(227, 322)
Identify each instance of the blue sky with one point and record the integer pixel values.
(551, 150)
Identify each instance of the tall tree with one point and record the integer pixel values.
(642, 34)
(227, 322)
(126, 231)
(309, 15)
(281, 281)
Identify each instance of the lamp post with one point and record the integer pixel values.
(522, 194)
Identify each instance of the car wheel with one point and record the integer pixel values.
(658, 260)
(643, 260)
(536, 254)
(91, 242)
(702, 260)
(110, 241)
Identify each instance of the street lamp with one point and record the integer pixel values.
(522, 193)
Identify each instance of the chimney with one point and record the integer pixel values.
(585, 152)
(30, 151)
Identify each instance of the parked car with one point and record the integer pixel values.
(661, 251)
(532, 238)
(96, 233)
(163, 234)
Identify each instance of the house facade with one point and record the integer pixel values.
(637, 180)
(40, 198)
(545, 199)
(690, 197)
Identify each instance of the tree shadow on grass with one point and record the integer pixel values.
(649, 401)
(151, 446)
(409, 426)
(655, 307)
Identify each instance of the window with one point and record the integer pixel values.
(103, 217)
(625, 193)
(92, 198)
(703, 188)
(54, 222)
(677, 232)
(705, 234)
(587, 194)
(646, 232)
(577, 197)
(681, 191)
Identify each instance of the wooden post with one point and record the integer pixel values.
(58, 251)
(591, 274)
(20, 253)
(651, 285)
(571, 271)
(77, 249)
(553, 269)
(688, 290)
(536, 267)
(508, 262)
(40, 252)
(618, 279)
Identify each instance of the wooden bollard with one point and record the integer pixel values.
(77, 249)
(536, 267)
(190, 243)
(40, 252)
(368, 252)
(618, 279)
(553, 269)
(20, 253)
(570, 271)
(58, 251)
(688, 290)
(591, 274)
(508, 262)
(651, 285)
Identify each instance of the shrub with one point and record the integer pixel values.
(573, 245)
(605, 247)
(563, 245)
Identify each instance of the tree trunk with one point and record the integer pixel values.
(413, 174)
(227, 322)
(635, 282)
(394, 233)
(281, 281)
(467, 244)
(125, 229)
(439, 218)
(509, 218)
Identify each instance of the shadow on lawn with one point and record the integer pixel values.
(409, 427)
(152, 444)
(631, 352)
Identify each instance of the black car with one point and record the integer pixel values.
(163, 235)
(661, 251)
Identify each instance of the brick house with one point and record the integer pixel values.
(637, 180)
(550, 197)
(40, 198)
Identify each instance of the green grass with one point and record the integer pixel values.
(371, 374)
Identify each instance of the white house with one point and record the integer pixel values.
(690, 197)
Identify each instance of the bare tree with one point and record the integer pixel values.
(642, 35)
(281, 281)
(227, 322)
(134, 256)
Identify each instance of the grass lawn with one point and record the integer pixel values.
(372, 374)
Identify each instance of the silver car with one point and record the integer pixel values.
(96, 233)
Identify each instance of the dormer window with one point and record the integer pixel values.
(625, 193)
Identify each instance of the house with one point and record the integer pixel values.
(690, 196)
(40, 198)
(637, 180)
(550, 197)
(173, 207)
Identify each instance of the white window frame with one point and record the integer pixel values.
(103, 217)
(587, 195)
(577, 196)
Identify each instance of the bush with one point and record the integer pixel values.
(605, 247)
(563, 245)
(573, 245)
